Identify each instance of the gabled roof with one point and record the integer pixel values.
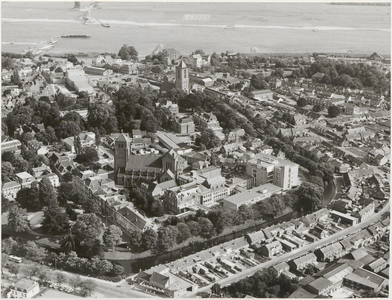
(159, 278)
(359, 253)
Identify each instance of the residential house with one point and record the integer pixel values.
(160, 281)
(255, 237)
(281, 267)
(10, 189)
(303, 261)
(317, 77)
(271, 249)
(24, 288)
(330, 252)
(24, 179)
(319, 232)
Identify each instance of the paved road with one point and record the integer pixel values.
(298, 252)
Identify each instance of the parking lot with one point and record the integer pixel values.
(54, 294)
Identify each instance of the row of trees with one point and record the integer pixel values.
(353, 75)
(207, 225)
(262, 284)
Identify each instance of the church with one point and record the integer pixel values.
(181, 81)
(129, 168)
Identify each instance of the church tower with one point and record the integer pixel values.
(121, 152)
(182, 77)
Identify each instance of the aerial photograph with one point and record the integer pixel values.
(195, 149)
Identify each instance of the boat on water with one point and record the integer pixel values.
(47, 47)
(52, 41)
(107, 25)
(77, 36)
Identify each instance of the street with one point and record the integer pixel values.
(298, 252)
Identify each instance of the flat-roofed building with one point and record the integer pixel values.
(344, 218)
(263, 95)
(252, 196)
(24, 179)
(270, 169)
(321, 286)
(11, 146)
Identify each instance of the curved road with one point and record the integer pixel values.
(298, 252)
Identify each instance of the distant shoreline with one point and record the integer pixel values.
(362, 3)
(273, 54)
(237, 26)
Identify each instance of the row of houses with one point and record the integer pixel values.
(26, 180)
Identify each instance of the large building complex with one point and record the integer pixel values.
(269, 169)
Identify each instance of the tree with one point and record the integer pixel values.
(206, 228)
(87, 287)
(32, 270)
(199, 51)
(65, 193)
(88, 155)
(99, 114)
(60, 278)
(87, 228)
(43, 275)
(165, 239)
(149, 239)
(34, 252)
(246, 212)
(117, 269)
(47, 194)
(5, 204)
(317, 108)
(310, 196)
(8, 245)
(17, 219)
(301, 102)
(112, 236)
(277, 204)
(7, 171)
(54, 221)
(209, 139)
(136, 241)
(216, 289)
(193, 228)
(69, 243)
(29, 198)
(13, 268)
(333, 111)
(128, 52)
(184, 232)
(75, 282)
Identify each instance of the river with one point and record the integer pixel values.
(212, 26)
(135, 266)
